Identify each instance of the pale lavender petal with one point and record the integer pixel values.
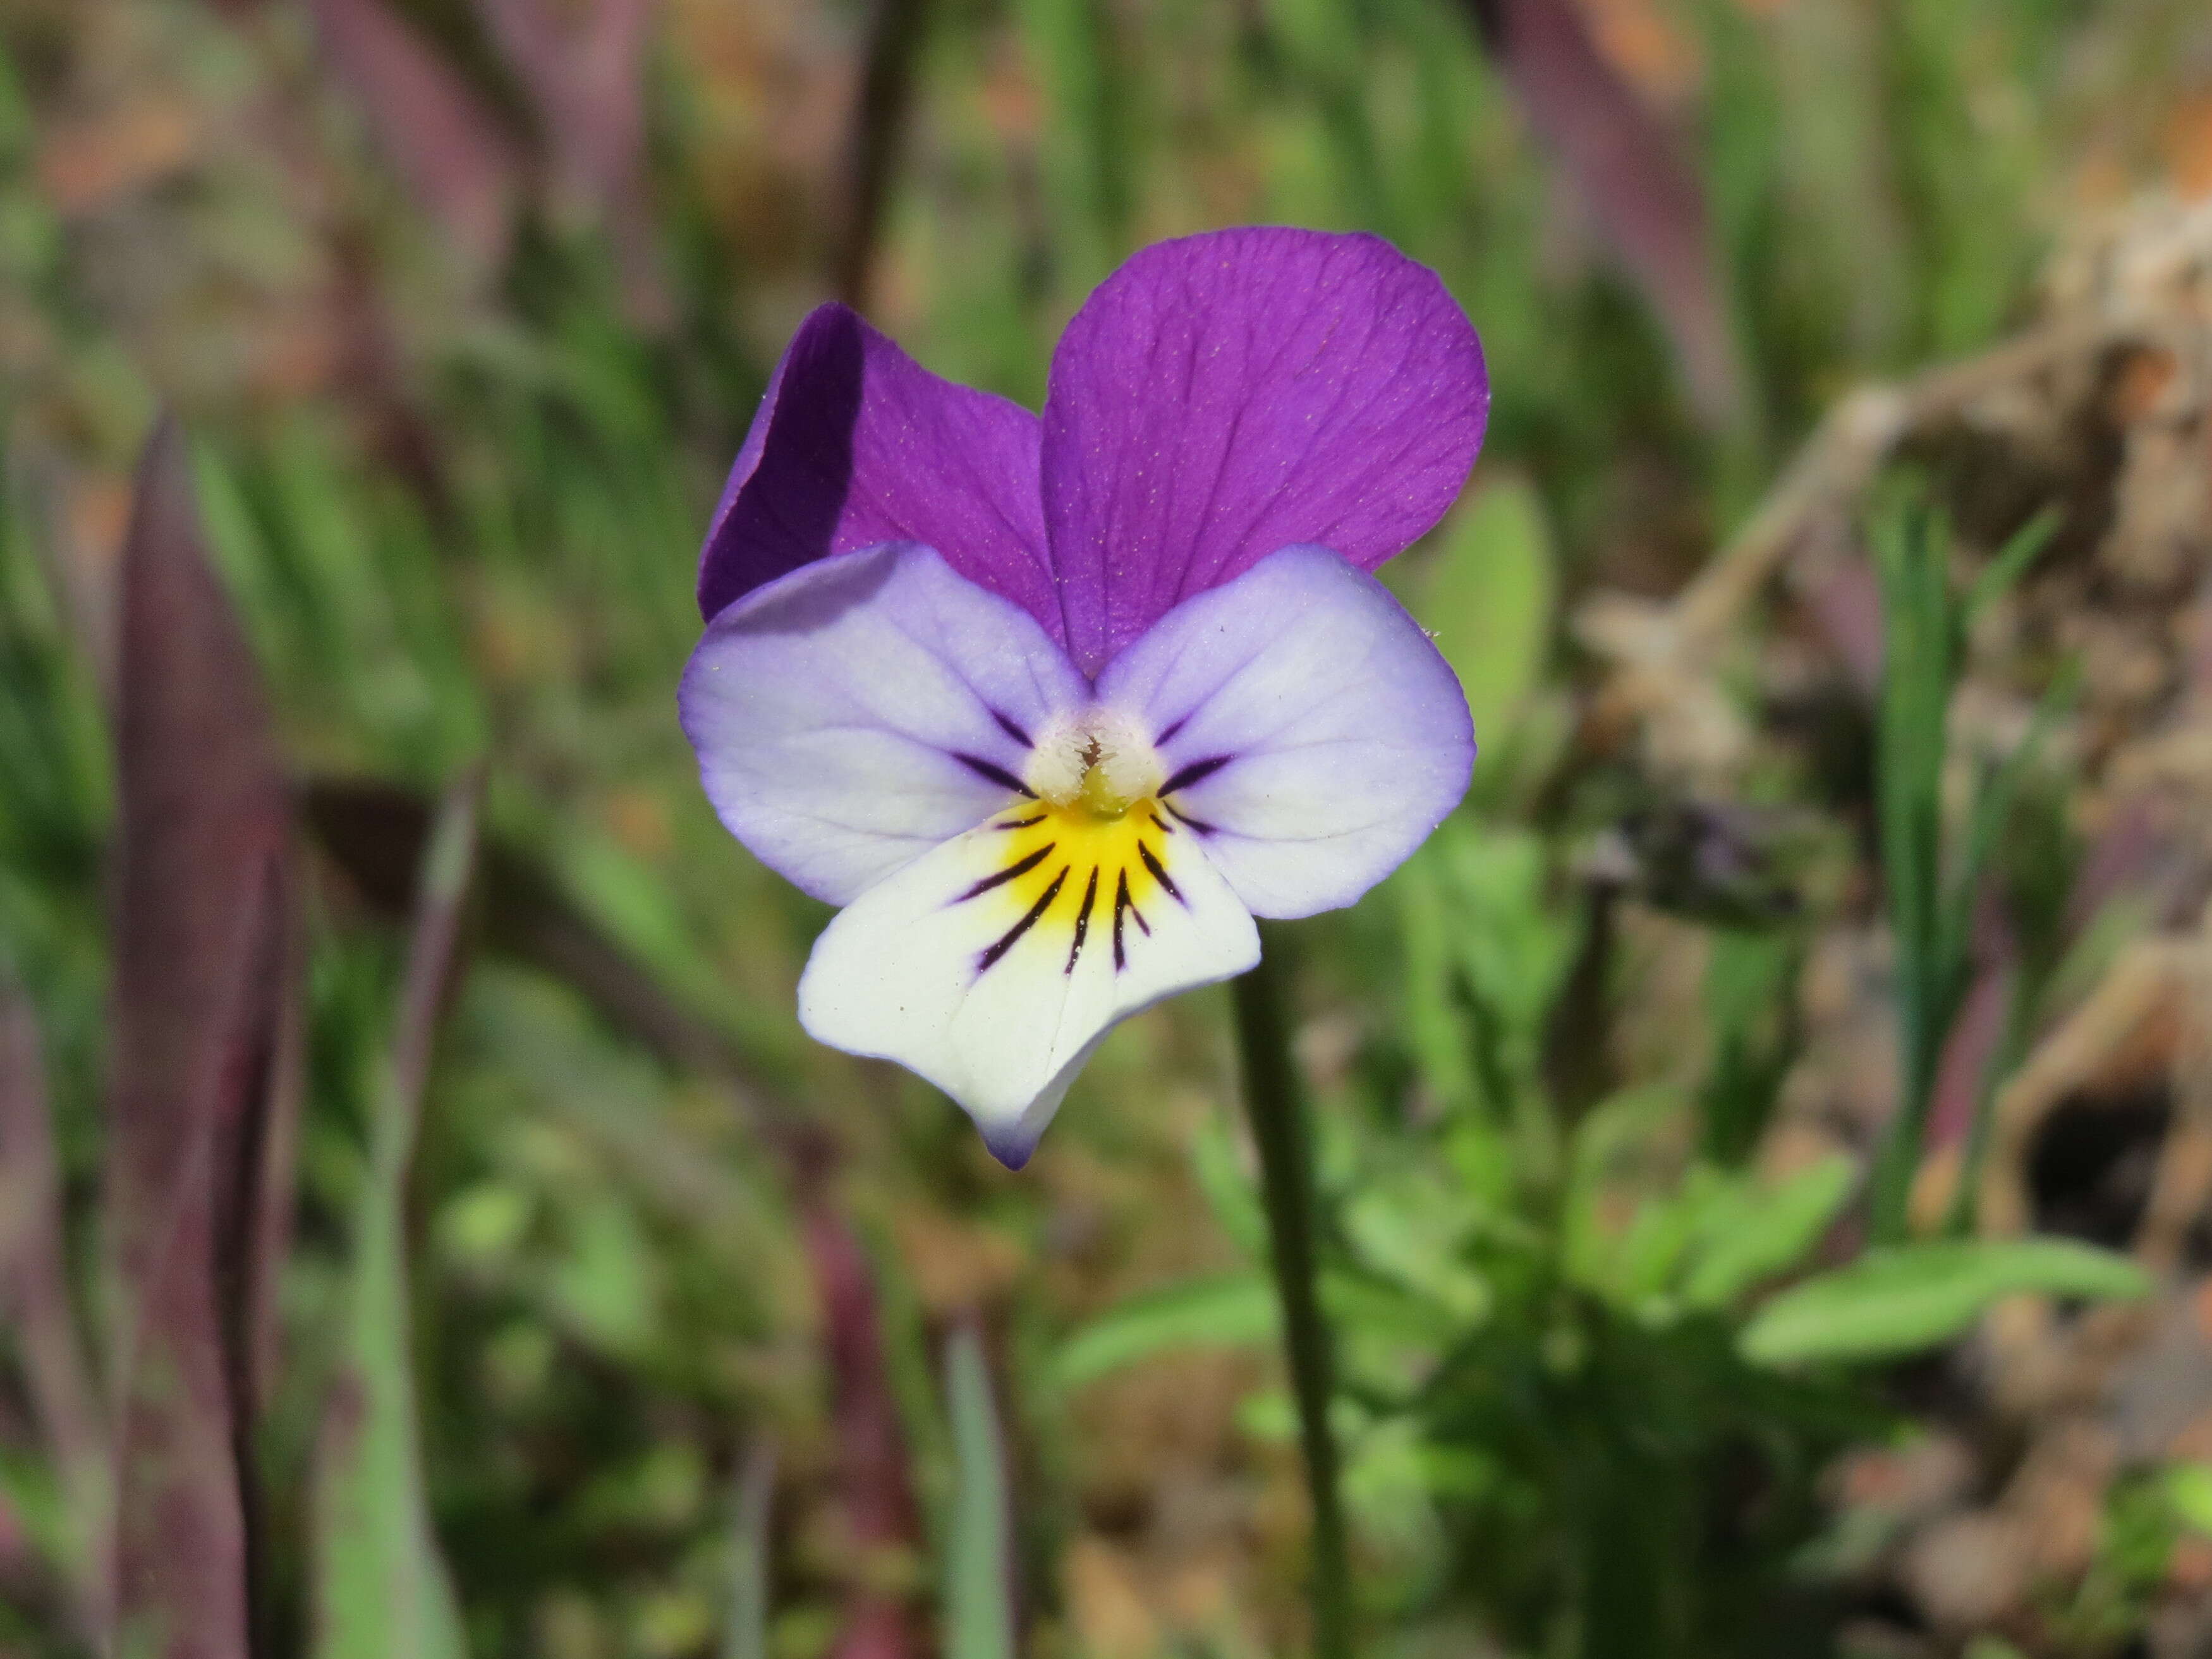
(856, 445)
(856, 713)
(1311, 735)
(1227, 395)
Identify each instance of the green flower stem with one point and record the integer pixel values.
(1277, 1109)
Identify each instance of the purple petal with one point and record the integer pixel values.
(1224, 395)
(857, 445)
(1311, 735)
(854, 714)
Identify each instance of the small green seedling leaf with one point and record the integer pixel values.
(1899, 1299)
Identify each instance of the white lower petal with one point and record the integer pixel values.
(996, 986)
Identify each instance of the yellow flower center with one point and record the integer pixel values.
(1083, 862)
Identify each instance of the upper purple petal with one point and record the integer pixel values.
(856, 445)
(1223, 395)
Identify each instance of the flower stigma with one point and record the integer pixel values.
(1081, 862)
(1097, 762)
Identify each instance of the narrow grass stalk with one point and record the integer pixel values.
(1918, 667)
(746, 1635)
(1276, 1104)
(1932, 884)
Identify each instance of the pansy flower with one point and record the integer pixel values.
(1053, 707)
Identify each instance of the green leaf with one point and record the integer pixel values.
(1748, 1235)
(604, 1287)
(1234, 1310)
(1514, 948)
(1900, 1299)
(979, 1615)
(1488, 596)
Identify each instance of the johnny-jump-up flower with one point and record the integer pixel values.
(1055, 707)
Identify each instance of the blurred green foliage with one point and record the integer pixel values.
(1570, 1430)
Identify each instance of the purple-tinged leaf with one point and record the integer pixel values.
(446, 144)
(2143, 857)
(381, 1588)
(880, 1511)
(1630, 171)
(275, 1200)
(1962, 1076)
(201, 950)
(1845, 603)
(583, 65)
(34, 1302)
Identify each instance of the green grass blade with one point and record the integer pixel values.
(382, 1589)
(745, 1634)
(2025, 546)
(978, 1594)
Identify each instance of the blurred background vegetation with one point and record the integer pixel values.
(601, 1315)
